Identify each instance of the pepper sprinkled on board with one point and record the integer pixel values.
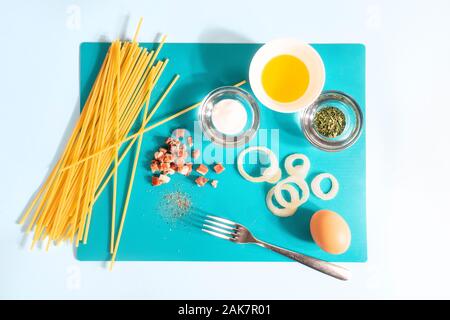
(176, 204)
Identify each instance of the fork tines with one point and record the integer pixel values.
(220, 227)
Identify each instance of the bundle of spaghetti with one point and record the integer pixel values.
(62, 208)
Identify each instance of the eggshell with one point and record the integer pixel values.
(330, 231)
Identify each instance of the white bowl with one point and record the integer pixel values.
(302, 51)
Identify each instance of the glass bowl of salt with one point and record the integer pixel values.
(229, 116)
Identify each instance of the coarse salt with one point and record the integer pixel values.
(229, 116)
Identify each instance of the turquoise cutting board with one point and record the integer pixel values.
(148, 233)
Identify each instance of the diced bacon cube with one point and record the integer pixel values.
(158, 155)
(173, 150)
(154, 166)
(173, 166)
(164, 178)
(202, 169)
(214, 183)
(195, 154)
(179, 133)
(169, 141)
(189, 165)
(179, 161)
(201, 181)
(189, 142)
(156, 181)
(219, 168)
(164, 166)
(184, 170)
(169, 171)
(168, 157)
(163, 150)
(181, 153)
(172, 142)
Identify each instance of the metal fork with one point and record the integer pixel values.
(235, 232)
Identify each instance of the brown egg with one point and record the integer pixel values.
(330, 231)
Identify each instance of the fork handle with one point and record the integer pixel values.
(328, 268)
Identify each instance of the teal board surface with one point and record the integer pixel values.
(149, 235)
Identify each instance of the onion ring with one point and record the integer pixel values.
(268, 173)
(273, 178)
(286, 211)
(317, 190)
(296, 201)
(298, 170)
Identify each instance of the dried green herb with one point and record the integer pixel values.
(329, 122)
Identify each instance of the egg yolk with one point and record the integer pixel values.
(285, 78)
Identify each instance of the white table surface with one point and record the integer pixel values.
(408, 142)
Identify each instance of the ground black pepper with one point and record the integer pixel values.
(175, 205)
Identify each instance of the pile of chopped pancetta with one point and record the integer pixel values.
(175, 157)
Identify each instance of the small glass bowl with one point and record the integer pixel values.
(353, 121)
(250, 106)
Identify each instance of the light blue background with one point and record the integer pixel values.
(407, 141)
